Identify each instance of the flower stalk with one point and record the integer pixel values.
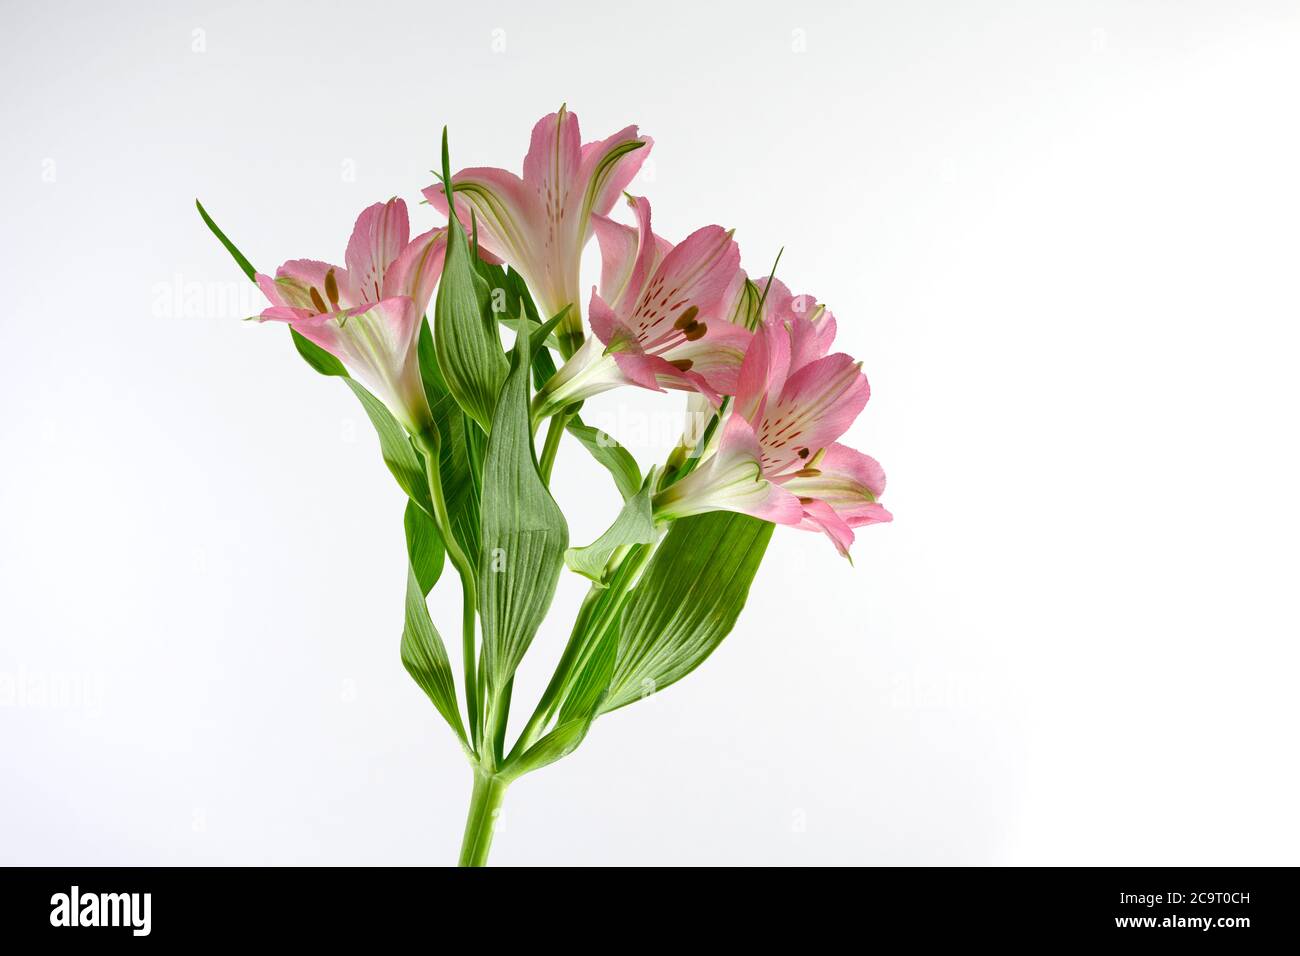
(484, 808)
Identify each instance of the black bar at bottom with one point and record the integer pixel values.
(521, 908)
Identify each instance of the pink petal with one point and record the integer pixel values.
(381, 233)
(628, 256)
(872, 514)
(606, 324)
(808, 342)
(552, 168)
(846, 480)
(607, 179)
(816, 406)
(322, 330)
(269, 289)
(849, 462)
(639, 368)
(295, 280)
(811, 325)
(415, 271)
(776, 298)
(646, 371)
(716, 359)
(818, 515)
(695, 273)
(825, 324)
(732, 302)
(763, 372)
(284, 313)
(502, 208)
(618, 245)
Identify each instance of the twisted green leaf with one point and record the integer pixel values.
(424, 546)
(634, 525)
(616, 459)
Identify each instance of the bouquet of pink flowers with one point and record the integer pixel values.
(458, 417)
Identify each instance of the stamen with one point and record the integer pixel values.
(682, 365)
(687, 318)
(332, 289)
(317, 301)
(695, 331)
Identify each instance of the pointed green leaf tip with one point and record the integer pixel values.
(230, 246)
(425, 657)
(523, 535)
(634, 525)
(446, 173)
(468, 347)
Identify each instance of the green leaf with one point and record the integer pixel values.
(686, 603)
(560, 742)
(615, 458)
(588, 685)
(238, 256)
(512, 304)
(550, 343)
(465, 332)
(523, 535)
(459, 453)
(460, 457)
(634, 525)
(507, 292)
(424, 546)
(399, 455)
(425, 657)
(593, 645)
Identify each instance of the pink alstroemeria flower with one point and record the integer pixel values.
(368, 314)
(657, 317)
(777, 457)
(751, 304)
(540, 223)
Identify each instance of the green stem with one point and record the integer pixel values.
(554, 432)
(484, 806)
(469, 600)
(468, 603)
(492, 753)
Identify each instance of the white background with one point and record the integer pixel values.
(1062, 237)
